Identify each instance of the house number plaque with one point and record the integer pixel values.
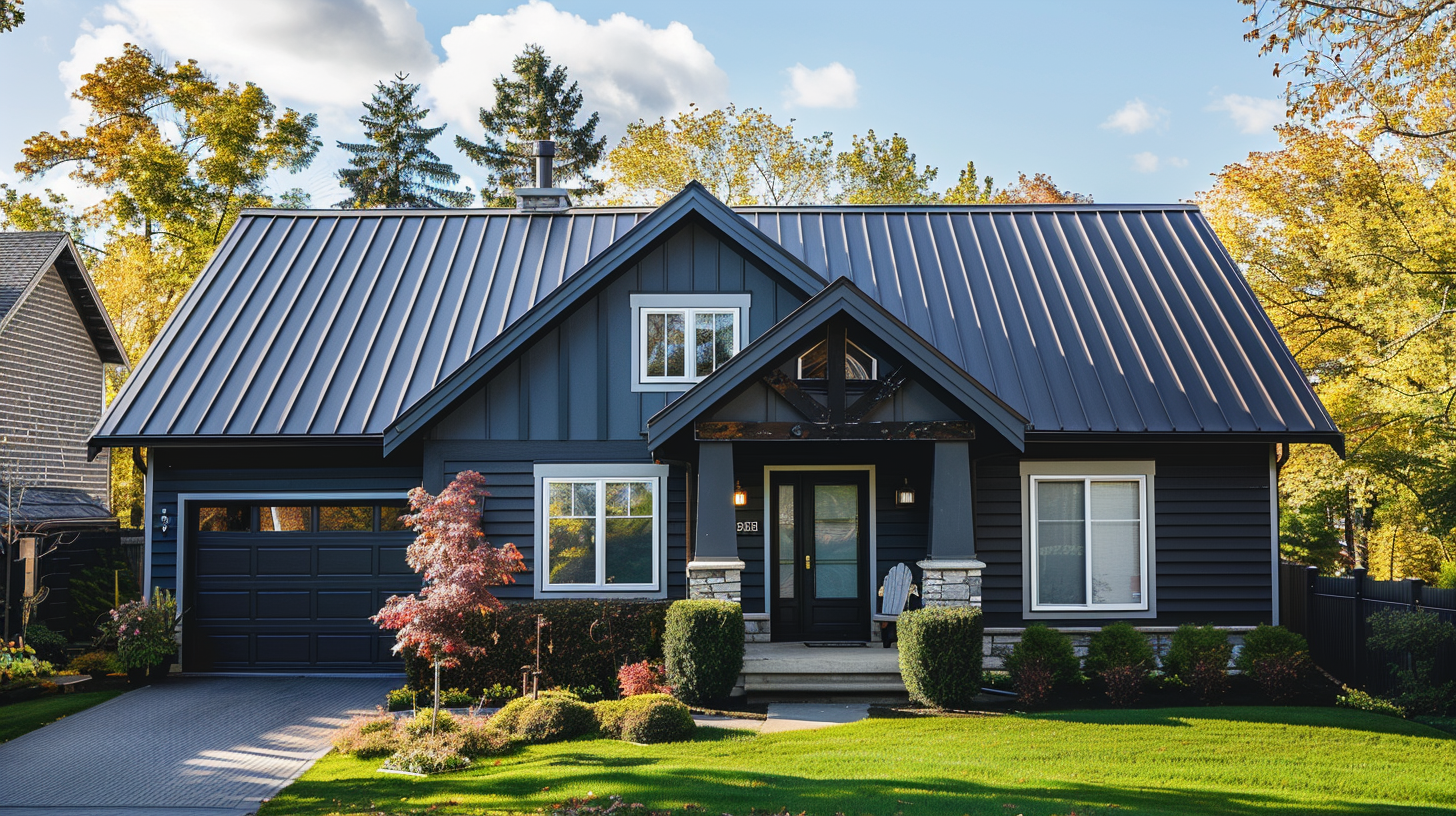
(748, 526)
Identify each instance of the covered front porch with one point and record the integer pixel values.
(836, 447)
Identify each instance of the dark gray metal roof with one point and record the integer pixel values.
(1092, 319)
(24, 256)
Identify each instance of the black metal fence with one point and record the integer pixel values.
(1333, 615)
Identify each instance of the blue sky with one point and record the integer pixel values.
(1127, 101)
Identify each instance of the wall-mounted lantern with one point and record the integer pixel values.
(905, 495)
(740, 496)
(166, 522)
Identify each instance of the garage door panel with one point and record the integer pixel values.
(224, 605)
(224, 561)
(345, 648)
(392, 561)
(276, 648)
(289, 604)
(285, 561)
(346, 561)
(350, 604)
(230, 649)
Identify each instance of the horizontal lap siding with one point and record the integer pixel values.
(508, 516)
(1213, 543)
(275, 470)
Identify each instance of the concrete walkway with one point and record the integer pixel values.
(189, 747)
(793, 717)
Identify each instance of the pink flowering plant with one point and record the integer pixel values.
(145, 630)
(459, 568)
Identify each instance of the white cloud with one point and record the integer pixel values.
(832, 86)
(317, 53)
(1251, 114)
(1148, 162)
(1136, 117)
(627, 69)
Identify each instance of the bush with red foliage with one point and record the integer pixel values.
(644, 677)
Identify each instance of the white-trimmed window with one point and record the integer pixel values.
(1089, 542)
(678, 340)
(600, 529)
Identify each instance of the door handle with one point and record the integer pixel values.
(806, 562)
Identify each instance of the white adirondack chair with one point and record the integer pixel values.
(893, 595)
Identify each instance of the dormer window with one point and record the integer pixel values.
(680, 339)
(858, 365)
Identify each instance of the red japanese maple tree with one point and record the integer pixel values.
(458, 566)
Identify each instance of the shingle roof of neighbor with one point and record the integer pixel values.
(1087, 318)
(25, 255)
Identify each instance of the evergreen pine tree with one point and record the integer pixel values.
(536, 104)
(395, 167)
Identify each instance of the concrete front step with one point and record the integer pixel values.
(823, 683)
(772, 668)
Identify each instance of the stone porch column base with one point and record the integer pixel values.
(951, 582)
(716, 580)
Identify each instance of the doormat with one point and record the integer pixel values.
(836, 644)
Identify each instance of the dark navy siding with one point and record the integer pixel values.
(575, 381)
(1213, 540)
(509, 513)
(262, 470)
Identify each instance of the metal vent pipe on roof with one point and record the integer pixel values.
(543, 151)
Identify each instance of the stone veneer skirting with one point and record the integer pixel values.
(946, 582)
(715, 581)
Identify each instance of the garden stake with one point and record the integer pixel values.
(435, 712)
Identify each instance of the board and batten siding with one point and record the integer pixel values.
(575, 381)
(52, 381)
(261, 471)
(1213, 547)
(508, 515)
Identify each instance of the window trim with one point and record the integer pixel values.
(545, 474)
(1143, 472)
(686, 302)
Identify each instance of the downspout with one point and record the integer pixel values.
(688, 500)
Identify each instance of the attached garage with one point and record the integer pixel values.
(276, 584)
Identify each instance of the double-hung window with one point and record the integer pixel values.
(680, 339)
(1089, 539)
(601, 529)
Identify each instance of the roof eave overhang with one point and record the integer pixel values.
(230, 440)
(693, 202)
(840, 297)
(1335, 440)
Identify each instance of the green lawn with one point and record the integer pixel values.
(1160, 761)
(18, 718)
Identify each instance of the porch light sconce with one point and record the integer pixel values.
(740, 496)
(166, 522)
(905, 496)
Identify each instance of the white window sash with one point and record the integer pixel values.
(689, 315)
(600, 528)
(1142, 520)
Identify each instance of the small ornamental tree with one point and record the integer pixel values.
(458, 567)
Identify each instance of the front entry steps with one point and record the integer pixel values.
(796, 671)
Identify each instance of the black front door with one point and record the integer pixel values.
(819, 555)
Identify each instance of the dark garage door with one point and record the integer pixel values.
(290, 586)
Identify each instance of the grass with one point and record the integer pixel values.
(1156, 761)
(20, 718)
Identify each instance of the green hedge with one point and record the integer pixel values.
(645, 718)
(703, 649)
(940, 654)
(584, 644)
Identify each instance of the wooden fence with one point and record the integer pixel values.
(1333, 615)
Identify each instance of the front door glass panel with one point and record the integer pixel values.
(836, 541)
(786, 540)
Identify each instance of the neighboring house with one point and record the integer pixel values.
(55, 343)
(1062, 413)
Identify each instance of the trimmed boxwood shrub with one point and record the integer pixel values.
(1277, 659)
(659, 721)
(48, 644)
(703, 649)
(1121, 657)
(553, 719)
(1040, 662)
(1199, 656)
(940, 654)
(588, 640)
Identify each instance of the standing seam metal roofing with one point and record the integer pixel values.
(1089, 318)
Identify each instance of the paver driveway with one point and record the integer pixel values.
(189, 747)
